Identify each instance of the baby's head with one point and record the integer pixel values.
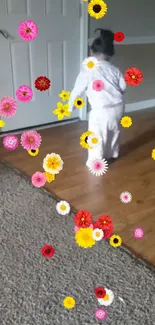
(103, 46)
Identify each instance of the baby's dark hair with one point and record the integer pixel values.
(104, 43)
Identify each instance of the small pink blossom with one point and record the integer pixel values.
(38, 179)
(8, 106)
(126, 197)
(138, 233)
(28, 30)
(100, 314)
(31, 140)
(11, 142)
(97, 166)
(24, 94)
(98, 85)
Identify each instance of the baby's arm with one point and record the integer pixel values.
(122, 83)
(80, 86)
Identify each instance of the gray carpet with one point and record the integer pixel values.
(32, 288)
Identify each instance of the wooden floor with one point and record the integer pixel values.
(133, 172)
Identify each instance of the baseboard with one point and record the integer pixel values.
(138, 106)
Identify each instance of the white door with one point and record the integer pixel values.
(54, 53)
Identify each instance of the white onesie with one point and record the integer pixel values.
(107, 106)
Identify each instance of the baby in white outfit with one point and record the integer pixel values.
(107, 105)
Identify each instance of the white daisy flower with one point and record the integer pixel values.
(97, 166)
(90, 63)
(108, 299)
(94, 140)
(126, 197)
(97, 234)
(63, 208)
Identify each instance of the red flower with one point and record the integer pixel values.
(119, 37)
(100, 292)
(104, 223)
(47, 251)
(42, 83)
(83, 219)
(133, 76)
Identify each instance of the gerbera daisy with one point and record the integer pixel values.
(53, 163)
(79, 102)
(33, 152)
(115, 241)
(97, 166)
(90, 63)
(31, 140)
(47, 251)
(118, 37)
(84, 139)
(64, 95)
(63, 208)
(100, 314)
(98, 85)
(8, 106)
(24, 93)
(153, 154)
(107, 299)
(100, 292)
(49, 177)
(42, 83)
(105, 223)
(84, 237)
(11, 142)
(2, 123)
(77, 228)
(28, 30)
(83, 219)
(62, 111)
(133, 76)
(126, 121)
(69, 302)
(97, 9)
(126, 197)
(138, 233)
(98, 234)
(94, 140)
(38, 179)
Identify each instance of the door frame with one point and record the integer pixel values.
(84, 21)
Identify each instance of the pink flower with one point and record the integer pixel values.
(98, 85)
(126, 197)
(31, 140)
(138, 233)
(38, 179)
(28, 30)
(24, 93)
(77, 228)
(100, 314)
(97, 166)
(8, 106)
(10, 142)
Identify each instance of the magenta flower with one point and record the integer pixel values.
(8, 106)
(98, 85)
(10, 142)
(24, 93)
(31, 140)
(38, 179)
(100, 314)
(28, 30)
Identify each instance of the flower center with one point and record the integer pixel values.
(63, 207)
(133, 77)
(86, 139)
(94, 140)
(98, 166)
(82, 219)
(24, 93)
(38, 179)
(33, 151)
(62, 111)
(104, 222)
(6, 106)
(115, 240)
(27, 30)
(31, 140)
(48, 250)
(90, 64)
(97, 8)
(42, 83)
(79, 102)
(97, 234)
(106, 297)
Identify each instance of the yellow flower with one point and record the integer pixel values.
(84, 138)
(126, 121)
(84, 237)
(62, 111)
(2, 123)
(64, 95)
(33, 152)
(115, 241)
(79, 102)
(97, 8)
(52, 163)
(49, 177)
(153, 154)
(69, 302)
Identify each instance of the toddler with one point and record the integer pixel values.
(106, 101)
